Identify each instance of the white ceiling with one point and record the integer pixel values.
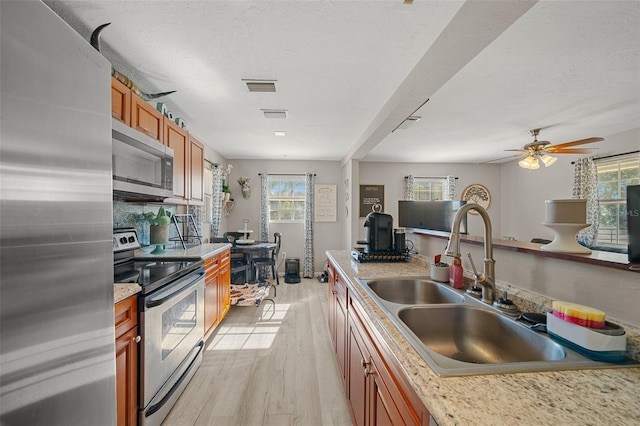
(349, 72)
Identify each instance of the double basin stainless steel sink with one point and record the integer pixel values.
(457, 334)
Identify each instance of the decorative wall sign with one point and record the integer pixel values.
(371, 196)
(477, 194)
(324, 203)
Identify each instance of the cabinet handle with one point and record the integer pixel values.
(137, 339)
(365, 364)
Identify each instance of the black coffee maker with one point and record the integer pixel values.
(379, 232)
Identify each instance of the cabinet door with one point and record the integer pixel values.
(211, 304)
(146, 119)
(177, 139)
(357, 378)
(120, 102)
(341, 337)
(211, 268)
(331, 283)
(383, 410)
(224, 284)
(196, 167)
(127, 377)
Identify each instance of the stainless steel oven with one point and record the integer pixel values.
(171, 318)
(172, 329)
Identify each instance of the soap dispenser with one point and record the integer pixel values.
(456, 276)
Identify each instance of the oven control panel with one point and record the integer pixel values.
(127, 240)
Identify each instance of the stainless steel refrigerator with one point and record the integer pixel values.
(57, 364)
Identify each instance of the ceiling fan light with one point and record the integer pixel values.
(548, 160)
(529, 162)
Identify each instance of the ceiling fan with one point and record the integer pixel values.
(540, 150)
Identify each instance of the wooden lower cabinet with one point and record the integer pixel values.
(224, 284)
(127, 340)
(217, 290)
(337, 318)
(377, 390)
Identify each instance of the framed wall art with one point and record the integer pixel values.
(477, 194)
(325, 202)
(370, 197)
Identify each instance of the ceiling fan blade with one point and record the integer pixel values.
(518, 150)
(572, 151)
(574, 143)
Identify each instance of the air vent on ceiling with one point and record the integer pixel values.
(274, 113)
(409, 122)
(261, 85)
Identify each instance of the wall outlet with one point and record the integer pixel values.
(284, 255)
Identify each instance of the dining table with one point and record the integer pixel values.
(251, 250)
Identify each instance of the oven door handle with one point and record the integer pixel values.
(155, 406)
(168, 293)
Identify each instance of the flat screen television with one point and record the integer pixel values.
(633, 222)
(432, 215)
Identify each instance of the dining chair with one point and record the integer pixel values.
(240, 265)
(272, 260)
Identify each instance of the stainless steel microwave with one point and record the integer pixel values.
(142, 167)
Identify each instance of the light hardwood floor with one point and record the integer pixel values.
(266, 366)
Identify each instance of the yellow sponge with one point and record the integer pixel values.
(578, 314)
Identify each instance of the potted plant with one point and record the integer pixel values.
(226, 192)
(158, 228)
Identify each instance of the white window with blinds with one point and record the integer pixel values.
(428, 189)
(614, 175)
(287, 195)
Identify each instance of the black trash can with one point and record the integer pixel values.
(292, 270)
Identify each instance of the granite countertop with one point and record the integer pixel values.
(201, 251)
(598, 396)
(122, 291)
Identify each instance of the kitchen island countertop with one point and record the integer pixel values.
(597, 396)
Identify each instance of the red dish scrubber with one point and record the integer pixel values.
(578, 314)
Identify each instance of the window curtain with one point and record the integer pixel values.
(449, 188)
(264, 207)
(307, 268)
(216, 199)
(408, 187)
(585, 186)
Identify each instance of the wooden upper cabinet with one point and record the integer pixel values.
(146, 119)
(196, 164)
(177, 139)
(120, 102)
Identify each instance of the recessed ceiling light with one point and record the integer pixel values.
(260, 85)
(279, 133)
(274, 113)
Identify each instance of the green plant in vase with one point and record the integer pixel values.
(158, 228)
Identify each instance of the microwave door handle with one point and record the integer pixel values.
(169, 293)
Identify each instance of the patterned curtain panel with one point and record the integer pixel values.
(449, 188)
(307, 268)
(408, 187)
(264, 207)
(216, 199)
(585, 186)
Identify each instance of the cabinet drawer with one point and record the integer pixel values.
(126, 315)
